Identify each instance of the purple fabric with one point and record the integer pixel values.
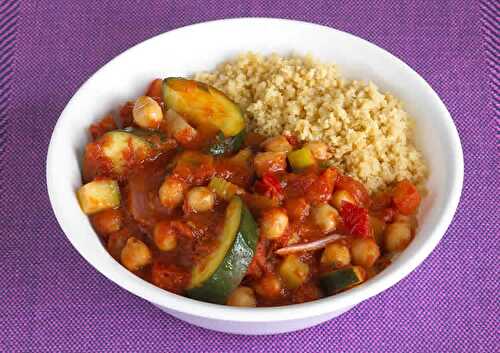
(54, 301)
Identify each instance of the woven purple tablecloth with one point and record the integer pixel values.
(52, 300)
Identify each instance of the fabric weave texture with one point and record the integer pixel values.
(54, 301)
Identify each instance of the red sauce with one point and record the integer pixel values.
(296, 193)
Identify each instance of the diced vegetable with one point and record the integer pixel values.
(147, 113)
(227, 145)
(99, 195)
(406, 197)
(155, 90)
(171, 277)
(203, 105)
(321, 189)
(194, 167)
(178, 128)
(242, 158)
(297, 208)
(216, 276)
(293, 271)
(335, 281)
(102, 126)
(355, 189)
(115, 153)
(301, 158)
(258, 203)
(224, 189)
(269, 185)
(269, 162)
(319, 150)
(355, 219)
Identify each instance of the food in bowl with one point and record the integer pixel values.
(187, 196)
(368, 132)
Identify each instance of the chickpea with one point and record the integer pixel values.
(273, 223)
(337, 255)
(411, 220)
(378, 227)
(269, 286)
(397, 236)
(135, 254)
(147, 113)
(164, 236)
(364, 252)
(171, 192)
(269, 162)
(242, 296)
(277, 144)
(326, 217)
(339, 196)
(200, 199)
(319, 150)
(107, 221)
(293, 271)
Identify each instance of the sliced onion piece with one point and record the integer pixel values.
(314, 245)
(178, 128)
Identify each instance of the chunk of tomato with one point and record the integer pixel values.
(406, 197)
(170, 277)
(356, 219)
(355, 188)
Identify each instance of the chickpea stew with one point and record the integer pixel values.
(184, 196)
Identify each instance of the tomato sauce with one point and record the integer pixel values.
(181, 227)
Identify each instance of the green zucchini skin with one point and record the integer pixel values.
(202, 104)
(229, 145)
(227, 277)
(335, 281)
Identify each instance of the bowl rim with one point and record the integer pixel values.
(125, 279)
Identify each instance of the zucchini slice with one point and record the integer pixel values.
(202, 104)
(221, 272)
(223, 188)
(229, 145)
(99, 195)
(114, 152)
(301, 158)
(335, 281)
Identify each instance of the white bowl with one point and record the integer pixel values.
(200, 47)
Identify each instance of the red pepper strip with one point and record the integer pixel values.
(355, 219)
(269, 185)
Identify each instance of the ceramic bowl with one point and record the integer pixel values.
(201, 47)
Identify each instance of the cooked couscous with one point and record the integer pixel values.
(368, 131)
